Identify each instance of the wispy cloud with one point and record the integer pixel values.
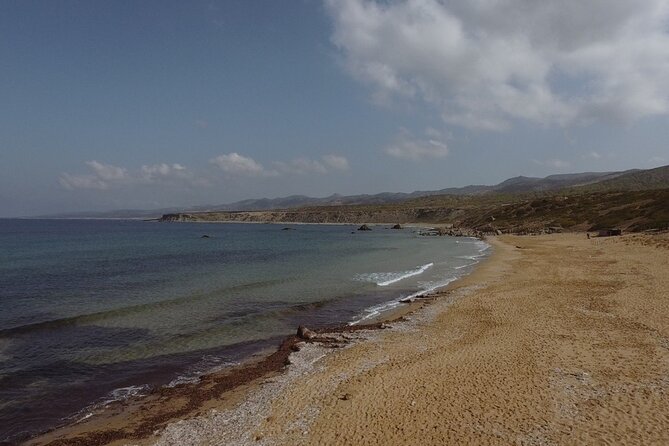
(101, 177)
(104, 176)
(408, 147)
(236, 164)
(337, 162)
(484, 64)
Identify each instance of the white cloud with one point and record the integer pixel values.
(235, 163)
(163, 171)
(336, 162)
(107, 172)
(408, 147)
(102, 176)
(483, 64)
(105, 176)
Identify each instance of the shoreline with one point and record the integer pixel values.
(556, 339)
(221, 389)
(553, 339)
(229, 383)
(562, 340)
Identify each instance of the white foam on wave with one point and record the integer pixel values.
(124, 393)
(385, 279)
(465, 265)
(116, 395)
(426, 288)
(208, 364)
(376, 310)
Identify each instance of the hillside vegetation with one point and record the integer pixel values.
(518, 213)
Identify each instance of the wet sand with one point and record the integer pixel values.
(554, 339)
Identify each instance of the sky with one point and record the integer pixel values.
(144, 105)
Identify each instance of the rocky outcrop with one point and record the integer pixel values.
(455, 232)
(177, 217)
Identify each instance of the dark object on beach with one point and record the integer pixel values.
(397, 226)
(304, 333)
(498, 232)
(346, 397)
(609, 232)
(364, 228)
(205, 236)
(288, 229)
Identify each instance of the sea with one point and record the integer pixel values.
(94, 311)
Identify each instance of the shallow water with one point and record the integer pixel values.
(98, 310)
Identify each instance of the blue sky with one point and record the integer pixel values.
(124, 104)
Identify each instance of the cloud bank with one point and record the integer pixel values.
(236, 164)
(106, 176)
(484, 64)
(103, 176)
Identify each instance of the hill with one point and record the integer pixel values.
(628, 210)
(648, 179)
(565, 183)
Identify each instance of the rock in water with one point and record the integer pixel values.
(364, 228)
(397, 226)
(304, 333)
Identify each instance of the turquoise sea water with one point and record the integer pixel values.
(97, 310)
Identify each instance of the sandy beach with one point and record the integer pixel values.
(555, 339)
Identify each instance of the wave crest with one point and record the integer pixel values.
(388, 278)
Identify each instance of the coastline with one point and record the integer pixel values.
(553, 339)
(136, 418)
(560, 340)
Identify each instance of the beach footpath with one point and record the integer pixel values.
(555, 339)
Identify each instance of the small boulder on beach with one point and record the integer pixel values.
(304, 333)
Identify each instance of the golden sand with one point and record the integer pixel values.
(566, 342)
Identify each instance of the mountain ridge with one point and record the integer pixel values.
(632, 179)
